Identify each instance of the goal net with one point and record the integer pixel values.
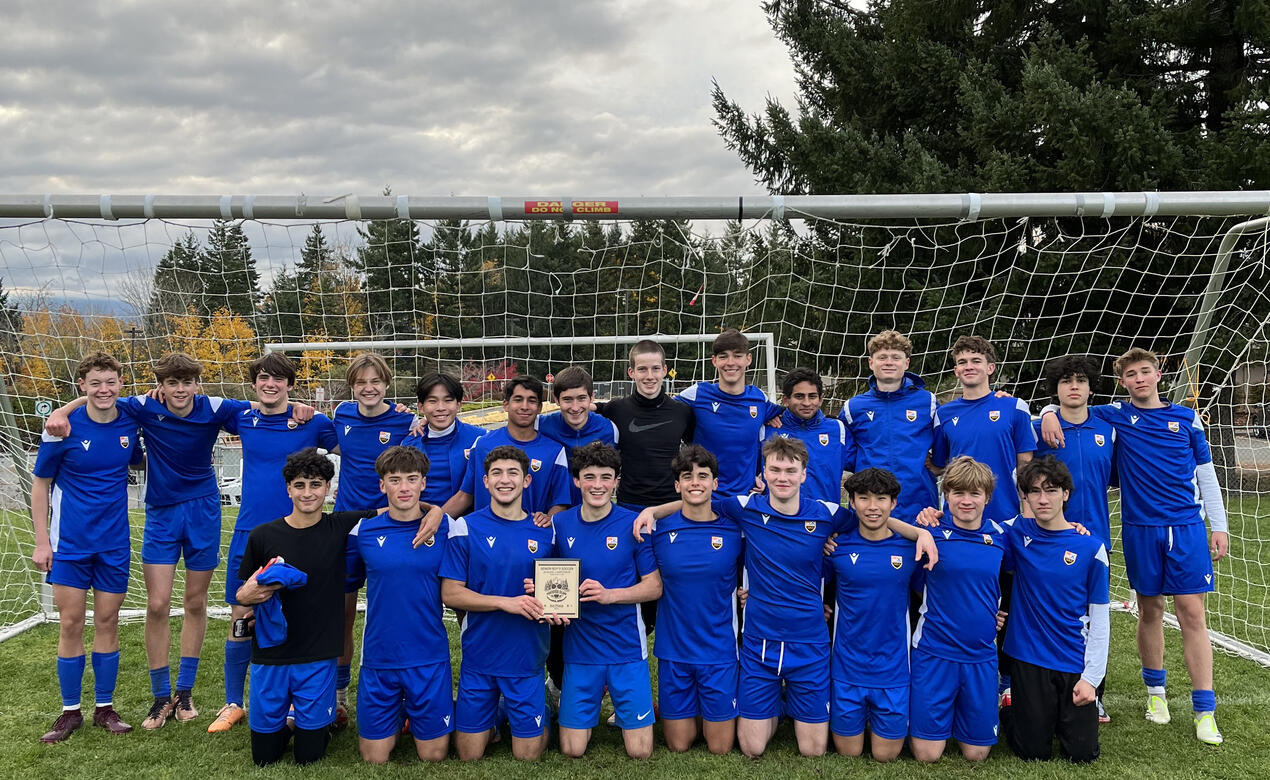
(501, 298)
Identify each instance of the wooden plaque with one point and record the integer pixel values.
(556, 583)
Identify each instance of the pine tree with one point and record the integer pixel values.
(228, 269)
(177, 284)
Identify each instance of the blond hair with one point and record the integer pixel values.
(966, 475)
(890, 339)
(1135, 355)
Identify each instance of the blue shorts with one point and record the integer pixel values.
(191, 528)
(237, 546)
(802, 666)
(952, 699)
(104, 571)
(885, 709)
(275, 688)
(629, 687)
(524, 697)
(425, 691)
(1167, 560)
(687, 690)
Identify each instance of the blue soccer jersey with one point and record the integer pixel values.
(830, 448)
(494, 557)
(609, 554)
(870, 624)
(363, 439)
(267, 441)
(179, 449)
(548, 471)
(783, 565)
(89, 469)
(403, 593)
(895, 431)
(447, 458)
(700, 563)
(597, 428)
(730, 426)
(1087, 452)
(961, 595)
(1057, 576)
(993, 431)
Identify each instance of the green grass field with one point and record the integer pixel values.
(1131, 747)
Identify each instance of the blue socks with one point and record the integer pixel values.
(105, 673)
(70, 679)
(343, 676)
(1203, 701)
(161, 682)
(237, 659)
(186, 672)
(1155, 680)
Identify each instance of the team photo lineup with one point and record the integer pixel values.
(898, 576)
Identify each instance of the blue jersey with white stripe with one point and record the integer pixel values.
(730, 426)
(363, 439)
(700, 564)
(870, 619)
(597, 428)
(88, 502)
(494, 557)
(895, 431)
(830, 449)
(267, 441)
(403, 626)
(548, 471)
(609, 554)
(447, 458)
(179, 449)
(993, 431)
(1088, 453)
(783, 565)
(962, 594)
(1157, 453)
(1057, 575)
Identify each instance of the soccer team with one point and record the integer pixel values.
(715, 513)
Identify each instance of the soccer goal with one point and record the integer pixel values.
(490, 287)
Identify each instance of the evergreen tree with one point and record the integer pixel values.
(178, 284)
(391, 263)
(10, 322)
(228, 270)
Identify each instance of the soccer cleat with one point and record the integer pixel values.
(1206, 729)
(1006, 699)
(159, 713)
(1158, 710)
(229, 716)
(185, 711)
(1103, 717)
(64, 726)
(108, 719)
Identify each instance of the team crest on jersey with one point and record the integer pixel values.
(467, 454)
(291, 424)
(1069, 557)
(810, 525)
(610, 542)
(716, 542)
(533, 545)
(754, 412)
(994, 415)
(910, 415)
(824, 440)
(535, 464)
(987, 538)
(1099, 439)
(431, 541)
(123, 442)
(384, 437)
(1174, 426)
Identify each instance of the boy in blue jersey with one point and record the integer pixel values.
(994, 431)
(1059, 625)
(954, 660)
(445, 439)
(606, 647)
(487, 571)
(893, 423)
(1168, 488)
(829, 444)
(268, 434)
(699, 555)
(81, 485)
(575, 425)
(365, 427)
(872, 569)
(405, 649)
(730, 414)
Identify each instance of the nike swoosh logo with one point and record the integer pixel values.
(644, 715)
(641, 428)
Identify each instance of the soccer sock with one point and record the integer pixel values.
(1203, 701)
(70, 679)
(186, 672)
(237, 659)
(105, 673)
(1003, 683)
(343, 676)
(161, 682)
(1155, 680)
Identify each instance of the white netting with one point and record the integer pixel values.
(1037, 287)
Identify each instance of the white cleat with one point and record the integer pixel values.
(1206, 729)
(1158, 710)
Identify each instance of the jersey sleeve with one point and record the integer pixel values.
(49, 458)
(1024, 437)
(470, 469)
(354, 564)
(848, 448)
(225, 409)
(252, 557)
(1199, 442)
(454, 560)
(645, 560)
(132, 405)
(729, 507)
(347, 520)
(558, 483)
(1097, 578)
(844, 520)
(232, 424)
(690, 429)
(326, 438)
(773, 410)
(939, 452)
